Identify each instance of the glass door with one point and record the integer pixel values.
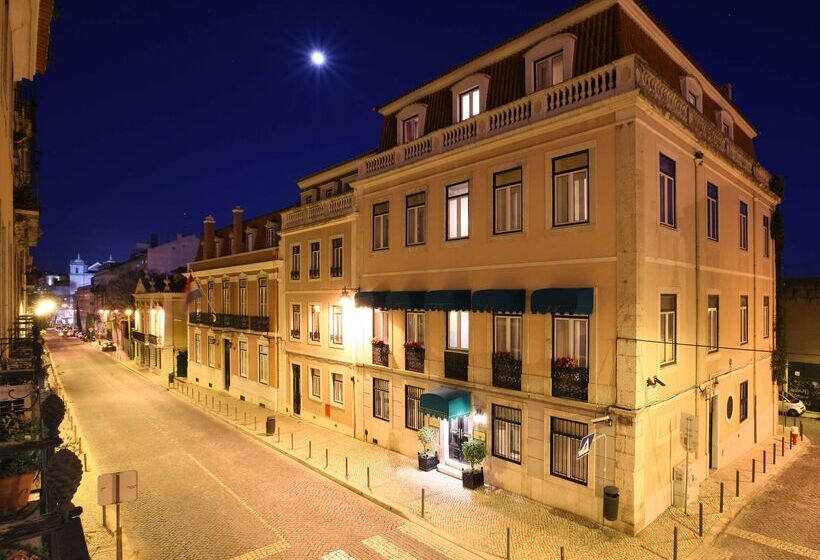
(459, 433)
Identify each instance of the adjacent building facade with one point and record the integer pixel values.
(801, 304)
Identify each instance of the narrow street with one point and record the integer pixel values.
(208, 492)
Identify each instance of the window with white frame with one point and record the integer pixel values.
(336, 324)
(507, 337)
(381, 221)
(218, 247)
(570, 347)
(469, 104)
(211, 351)
(549, 70)
(692, 92)
(263, 364)
(767, 318)
(666, 200)
(415, 328)
(410, 129)
(198, 348)
(565, 437)
(315, 259)
(712, 207)
(744, 319)
(315, 321)
(243, 296)
(507, 433)
(316, 383)
(416, 219)
(458, 211)
(211, 292)
(226, 296)
(243, 358)
(458, 330)
(250, 237)
(668, 328)
(262, 297)
(743, 224)
(270, 234)
(338, 388)
(570, 185)
(713, 321)
(295, 262)
(336, 257)
(296, 320)
(508, 201)
(381, 399)
(381, 325)
(767, 233)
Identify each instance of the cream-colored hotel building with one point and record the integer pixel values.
(567, 234)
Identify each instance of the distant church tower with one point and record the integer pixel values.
(78, 274)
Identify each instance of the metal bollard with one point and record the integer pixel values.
(80, 444)
(753, 470)
(700, 519)
(737, 484)
(422, 503)
(675, 544)
(509, 544)
(790, 443)
(327, 457)
(278, 435)
(254, 423)
(245, 417)
(801, 430)
(774, 454)
(368, 478)
(764, 461)
(562, 553)
(310, 448)
(291, 441)
(721, 497)
(85, 462)
(345, 468)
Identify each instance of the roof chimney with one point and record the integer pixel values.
(208, 228)
(238, 241)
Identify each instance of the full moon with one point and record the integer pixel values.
(317, 58)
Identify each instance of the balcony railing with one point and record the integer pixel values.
(138, 336)
(570, 382)
(260, 324)
(455, 365)
(336, 339)
(318, 211)
(625, 74)
(381, 354)
(506, 372)
(294, 275)
(414, 359)
(201, 318)
(314, 336)
(154, 339)
(314, 273)
(295, 333)
(335, 271)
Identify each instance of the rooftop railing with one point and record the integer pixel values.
(319, 211)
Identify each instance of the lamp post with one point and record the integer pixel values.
(128, 313)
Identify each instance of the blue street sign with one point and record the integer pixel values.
(586, 445)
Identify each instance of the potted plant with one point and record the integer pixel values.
(428, 460)
(380, 351)
(474, 452)
(17, 472)
(414, 356)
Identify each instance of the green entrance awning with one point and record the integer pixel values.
(370, 299)
(562, 301)
(499, 301)
(404, 300)
(445, 402)
(447, 300)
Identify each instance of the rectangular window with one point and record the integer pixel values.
(316, 383)
(712, 212)
(565, 437)
(744, 319)
(507, 433)
(743, 222)
(226, 296)
(744, 401)
(336, 324)
(211, 351)
(468, 104)
(295, 262)
(381, 324)
(416, 204)
(198, 348)
(249, 239)
(410, 129)
(766, 235)
(338, 388)
(381, 398)
(336, 257)
(666, 200)
(507, 200)
(271, 236)
(570, 186)
(570, 340)
(262, 297)
(549, 70)
(381, 221)
(211, 296)
(218, 247)
(315, 320)
(315, 258)
(263, 364)
(415, 328)
(243, 296)
(713, 318)
(507, 336)
(766, 317)
(458, 211)
(412, 407)
(669, 344)
(296, 320)
(243, 358)
(458, 330)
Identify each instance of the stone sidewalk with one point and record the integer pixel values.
(478, 520)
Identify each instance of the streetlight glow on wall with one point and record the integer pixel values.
(317, 58)
(45, 307)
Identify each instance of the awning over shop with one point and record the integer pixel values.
(370, 299)
(564, 301)
(404, 300)
(445, 402)
(447, 300)
(499, 301)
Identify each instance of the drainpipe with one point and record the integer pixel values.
(698, 161)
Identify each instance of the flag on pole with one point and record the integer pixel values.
(191, 292)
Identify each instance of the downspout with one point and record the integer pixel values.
(698, 162)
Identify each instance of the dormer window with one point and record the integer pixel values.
(549, 70)
(726, 123)
(410, 129)
(692, 92)
(218, 247)
(549, 62)
(250, 239)
(692, 98)
(470, 96)
(468, 104)
(410, 122)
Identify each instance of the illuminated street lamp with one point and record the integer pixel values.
(45, 307)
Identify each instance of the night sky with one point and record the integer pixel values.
(155, 114)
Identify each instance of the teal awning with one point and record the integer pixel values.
(445, 402)
(447, 300)
(499, 301)
(404, 300)
(562, 301)
(370, 299)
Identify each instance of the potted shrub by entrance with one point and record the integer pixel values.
(17, 472)
(428, 460)
(474, 452)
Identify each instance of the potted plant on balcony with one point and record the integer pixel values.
(414, 356)
(17, 472)
(380, 351)
(474, 452)
(428, 460)
(506, 370)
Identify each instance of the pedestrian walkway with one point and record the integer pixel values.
(478, 520)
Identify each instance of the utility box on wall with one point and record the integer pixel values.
(680, 487)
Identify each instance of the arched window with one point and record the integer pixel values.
(549, 62)
(470, 96)
(410, 122)
(692, 92)
(726, 123)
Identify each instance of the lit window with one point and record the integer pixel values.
(410, 129)
(316, 383)
(381, 216)
(198, 348)
(712, 212)
(381, 325)
(713, 318)
(295, 262)
(243, 296)
(508, 201)
(570, 183)
(226, 296)
(668, 335)
(243, 358)
(692, 98)
(549, 70)
(262, 299)
(336, 257)
(570, 343)
(336, 324)
(666, 200)
(338, 388)
(766, 317)
(381, 399)
(468, 104)
(315, 259)
(415, 328)
(295, 321)
(211, 351)
(315, 320)
(416, 204)
(271, 236)
(507, 337)
(249, 241)
(744, 319)
(565, 438)
(458, 211)
(458, 330)
(743, 223)
(263, 364)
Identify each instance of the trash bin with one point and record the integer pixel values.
(270, 425)
(611, 503)
(795, 435)
(170, 379)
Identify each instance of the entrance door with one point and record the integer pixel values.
(459, 433)
(297, 389)
(713, 411)
(226, 364)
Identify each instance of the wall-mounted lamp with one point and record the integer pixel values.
(479, 417)
(652, 381)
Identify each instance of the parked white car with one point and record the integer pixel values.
(791, 405)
